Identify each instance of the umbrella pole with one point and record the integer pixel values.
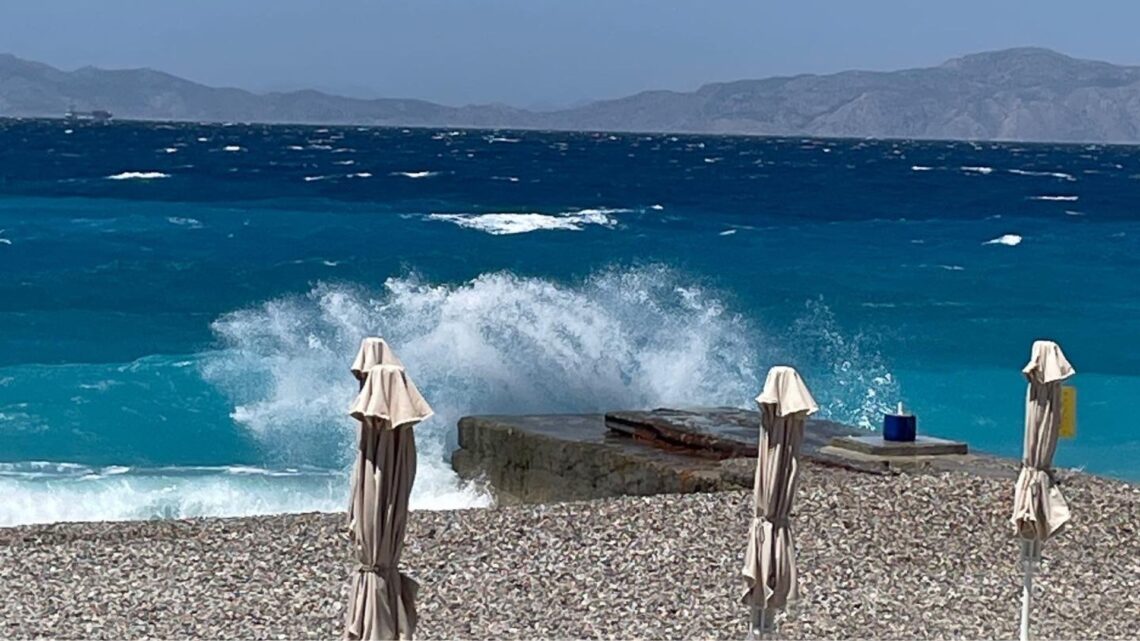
(1028, 563)
(761, 622)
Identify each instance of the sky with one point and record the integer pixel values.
(542, 53)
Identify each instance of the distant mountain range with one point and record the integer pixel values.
(1014, 94)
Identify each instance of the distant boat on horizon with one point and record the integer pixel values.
(97, 115)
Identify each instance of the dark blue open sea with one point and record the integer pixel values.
(179, 302)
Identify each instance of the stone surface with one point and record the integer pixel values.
(876, 445)
(547, 458)
(572, 457)
(723, 432)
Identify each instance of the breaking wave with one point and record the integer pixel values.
(138, 175)
(623, 338)
(501, 224)
(639, 337)
(1010, 240)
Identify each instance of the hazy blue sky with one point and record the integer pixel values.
(537, 52)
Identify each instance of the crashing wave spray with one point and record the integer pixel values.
(847, 373)
(497, 344)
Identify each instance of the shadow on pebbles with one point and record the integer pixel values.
(924, 556)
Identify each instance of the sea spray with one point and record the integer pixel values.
(277, 385)
(497, 344)
(846, 372)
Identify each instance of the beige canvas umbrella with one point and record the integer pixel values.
(373, 351)
(381, 601)
(1039, 509)
(769, 560)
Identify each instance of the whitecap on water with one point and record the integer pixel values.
(232, 148)
(192, 223)
(920, 168)
(727, 232)
(415, 174)
(1056, 198)
(978, 170)
(507, 223)
(1049, 174)
(1010, 240)
(138, 175)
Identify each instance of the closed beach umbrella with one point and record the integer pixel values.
(1039, 510)
(373, 351)
(381, 602)
(769, 560)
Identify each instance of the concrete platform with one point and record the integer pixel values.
(876, 445)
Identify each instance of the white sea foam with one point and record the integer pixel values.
(232, 148)
(310, 179)
(363, 174)
(138, 175)
(295, 148)
(1050, 174)
(344, 162)
(501, 139)
(979, 170)
(657, 207)
(727, 232)
(68, 131)
(203, 139)
(192, 223)
(1010, 240)
(512, 179)
(170, 150)
(501, 224)
(953, 268)
(1073, 212)
(920, 168)
(1057, 198)
(118, 493)
(415, 174)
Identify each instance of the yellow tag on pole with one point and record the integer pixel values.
(1068, 412)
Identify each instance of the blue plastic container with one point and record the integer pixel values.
(898, 427)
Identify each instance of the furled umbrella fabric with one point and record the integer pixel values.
(1039, 509)
(382, 599)
(373, 351)
(769, 561)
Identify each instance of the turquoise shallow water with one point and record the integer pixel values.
(179, 302)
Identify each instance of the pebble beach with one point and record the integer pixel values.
(880, 557)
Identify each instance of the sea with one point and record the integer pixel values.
(180, 303)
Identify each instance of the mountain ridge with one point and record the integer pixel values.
(1021, 94)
